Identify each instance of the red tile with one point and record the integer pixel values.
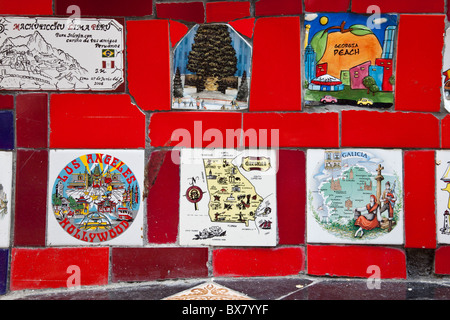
(6, 101)
(276, 79)
(106, 7)
(31, 198)
(163, 185)
(420, 219)
(32, 120)
(277, 7)
(442, 260)
(293, 129)
(291, 197)
(58, 267)
(330, 6)
(354, 261)
(226, 11)
(95, 121)
(26, 7)
(189, 11)
(259, 262)
(149, 77)
(445, 132)
(418, 85)
(244, 26)
(400, 6)
(195, 129)
(144, 264)
(177, 31)
(400, 129)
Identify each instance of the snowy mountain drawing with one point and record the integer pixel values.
(31, 61)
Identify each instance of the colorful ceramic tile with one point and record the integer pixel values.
(446, 73)
(355, 196)
(228, 197)
(211, 77)
(349, 59)
(207, 291)
(5, 197)
(443, 196)
(60, 54)
(95, 197)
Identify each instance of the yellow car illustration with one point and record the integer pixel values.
(364, 102)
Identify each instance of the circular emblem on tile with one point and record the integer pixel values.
(96, 197)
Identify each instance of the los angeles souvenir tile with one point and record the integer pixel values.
(60, 54)
(211, 67)
(95, 197)
(349, 59)
(354, 196)
(5, 197)
(443, 196)
(228, 197)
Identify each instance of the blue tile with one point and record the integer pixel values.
(6, 130)
(4, 253)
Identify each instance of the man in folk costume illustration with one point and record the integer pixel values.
(387, 200)
(369, 220)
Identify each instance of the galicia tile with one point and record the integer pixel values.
(92, 60)
(291, 197)
(189, 11)
(420, 218)
(196, 86)
(4, 262)
(258, 262)
(162, 188)
(6, 130)
(355, 196)
(177, 31)
(209, 291)
(69, 113)
(6, 184)
(225, 11)
(276, 48)
(278, 7)
(6, 101)
(420, 78)
(150, 92)
(27, 7)
(105, 8)
(356, 261)
(158, 263)
(58, 267)
(30, 198)
(32, 120)
(95, 197)
(228, 197)
(244, 26)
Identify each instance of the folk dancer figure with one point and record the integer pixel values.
(387, 200)
(371, 219)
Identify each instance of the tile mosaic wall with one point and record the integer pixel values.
(301, 111)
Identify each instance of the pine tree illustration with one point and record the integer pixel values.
(177, 85)
(242, 94)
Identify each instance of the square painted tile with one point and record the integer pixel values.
(228, 197)
(446, 73)
(355, 196)
(5, 197)
(62, 54)
(200, 82)
(349, 59)
(443, 196)
(209, 291)
(95, 197)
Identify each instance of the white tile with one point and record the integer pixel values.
(340, 181)
(5, 197)
(72, 174)
(225, 200)
(442, 196)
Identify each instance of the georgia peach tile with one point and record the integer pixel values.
(95, 197)
(5, 197)
(355, 196)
